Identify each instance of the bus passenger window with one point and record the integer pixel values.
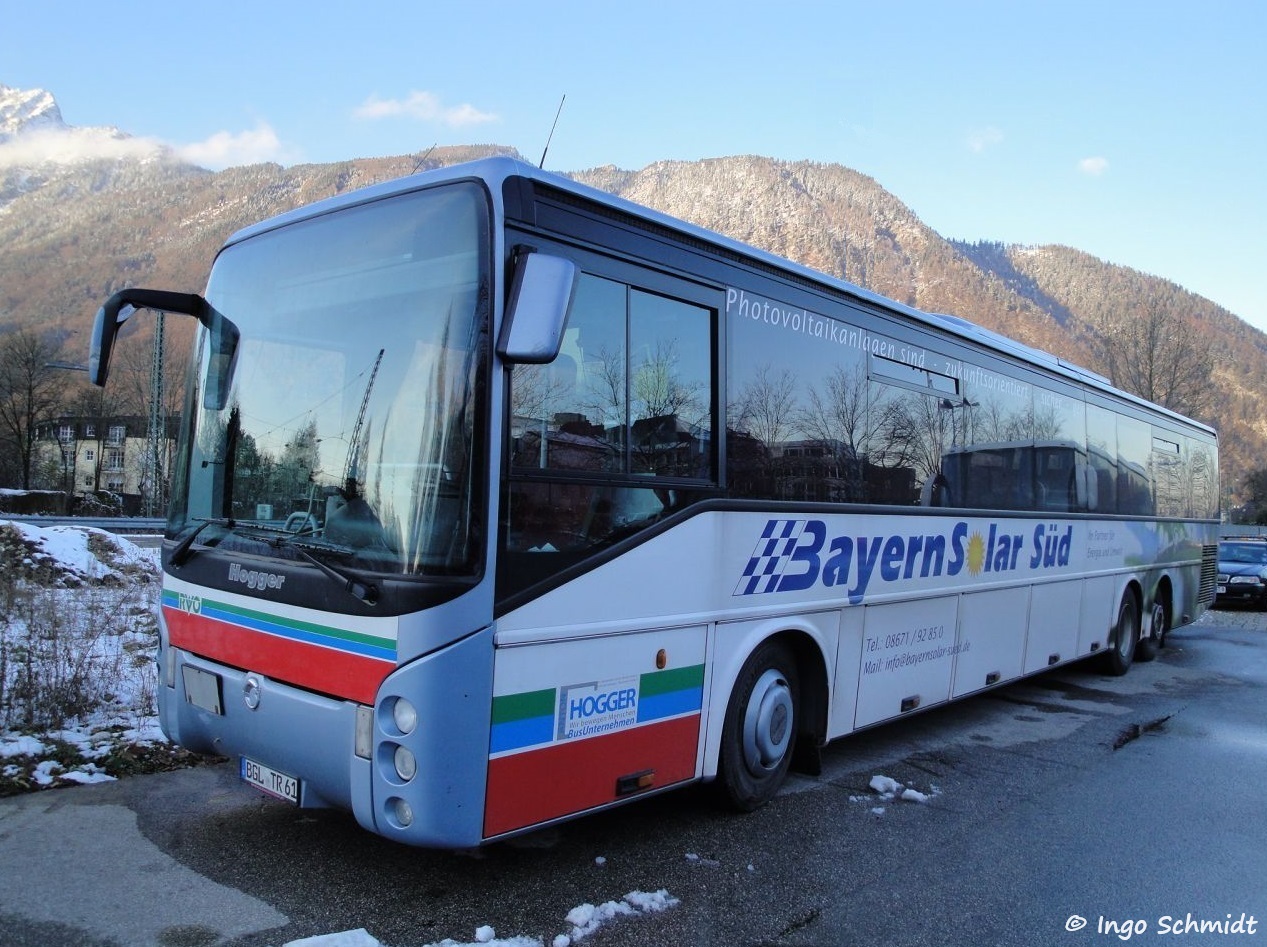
(629, 393)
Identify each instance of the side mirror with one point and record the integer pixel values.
(117, 310)
(223, 361)
(541, 293)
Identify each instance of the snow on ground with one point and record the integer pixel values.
(70, 550)
(94, 595)
(889, 788)
(582, 921)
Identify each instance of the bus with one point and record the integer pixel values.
(499, 500)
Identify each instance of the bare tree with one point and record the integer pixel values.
(841, 412)
(131, 375)
(30, 393)
(658, 389)
(913, 430)
(766, 406)
(604, 387)
(1156, 353)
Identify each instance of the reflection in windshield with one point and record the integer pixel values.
(1247, 553)
(349, 423)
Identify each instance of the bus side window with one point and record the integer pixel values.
(630, 392)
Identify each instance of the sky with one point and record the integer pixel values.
(1130, 129)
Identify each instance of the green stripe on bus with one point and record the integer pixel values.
(523, 706)
(377, 641)
(675, 679)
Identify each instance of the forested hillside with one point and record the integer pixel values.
(73, 235)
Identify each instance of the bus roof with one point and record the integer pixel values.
(496, 170)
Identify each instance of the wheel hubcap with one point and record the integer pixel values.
(1125, 631)
(767, 726)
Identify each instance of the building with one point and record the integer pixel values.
(87, 456)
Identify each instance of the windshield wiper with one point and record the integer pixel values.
(181, 551)
(366, 592)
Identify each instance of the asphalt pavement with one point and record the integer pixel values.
(1069, 809)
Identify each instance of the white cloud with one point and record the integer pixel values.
(73, 145)
(424, 107)
(1093, 167)
(984, 138)
(231, 149)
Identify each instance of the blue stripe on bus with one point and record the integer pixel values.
(514, 734)
(262, 624)
(659, 706)
(298, 634)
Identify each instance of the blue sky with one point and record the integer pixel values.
(1132, 130)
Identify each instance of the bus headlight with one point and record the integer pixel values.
(404, 715)
(406, 763)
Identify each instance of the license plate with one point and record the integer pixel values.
(269, 780)
(202, 689)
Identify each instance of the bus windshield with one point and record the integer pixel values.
(331, 407)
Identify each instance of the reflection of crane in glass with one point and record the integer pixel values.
(352, 472)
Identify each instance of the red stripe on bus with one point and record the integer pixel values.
(564, 778)
(325, 670)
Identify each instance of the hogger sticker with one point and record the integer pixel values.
(587, 710)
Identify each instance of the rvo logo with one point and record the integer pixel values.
(189, 603)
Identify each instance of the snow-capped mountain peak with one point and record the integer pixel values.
(36, 145)
(28, 110)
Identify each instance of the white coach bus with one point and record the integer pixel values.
(499, 500)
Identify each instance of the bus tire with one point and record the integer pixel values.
(759, 732)
(1123, 638)
(1158, 625)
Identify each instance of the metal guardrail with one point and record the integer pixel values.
(1228, 531)
(111, 524)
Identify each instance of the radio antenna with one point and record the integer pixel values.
(550, 137)
(426, 154)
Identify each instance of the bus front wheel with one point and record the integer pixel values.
(760, 728)
(1124, 636)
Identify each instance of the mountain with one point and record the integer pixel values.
(38, 149)
(27, 111)
(84, 212)
(1083, 292)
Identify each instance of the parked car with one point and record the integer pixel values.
(1242, 576)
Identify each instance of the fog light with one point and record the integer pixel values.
(404, 715)
(406, 763)
(402, 812)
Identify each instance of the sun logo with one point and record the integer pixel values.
(976, 554)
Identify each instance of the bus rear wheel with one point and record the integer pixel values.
(1155, 640)
(1124, 637)
(759, 733)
